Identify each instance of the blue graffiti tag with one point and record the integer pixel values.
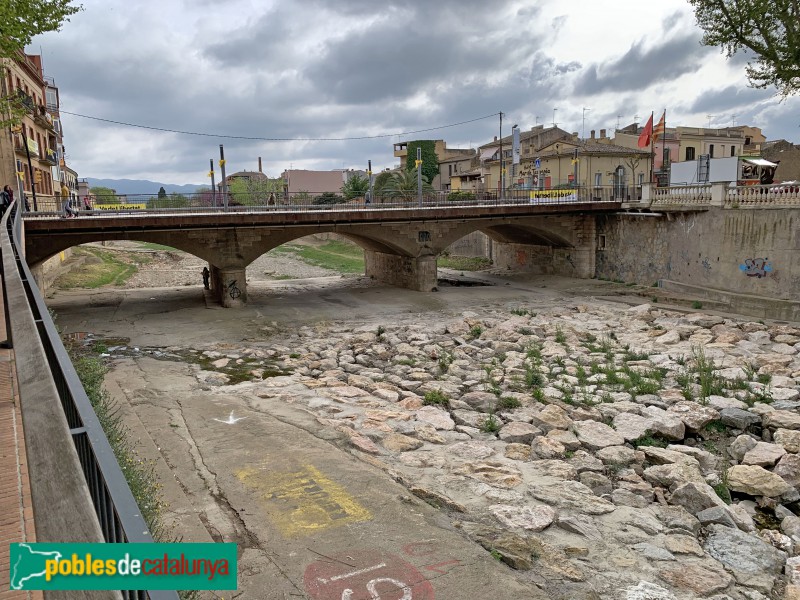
(756, 267)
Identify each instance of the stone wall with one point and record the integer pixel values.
(752, 252)
(402, 271)
(46, 272)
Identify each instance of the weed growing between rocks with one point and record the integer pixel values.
(436, 398)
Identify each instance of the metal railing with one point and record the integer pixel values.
(206, 202)
(117, 512)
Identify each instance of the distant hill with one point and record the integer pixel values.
(142, 186)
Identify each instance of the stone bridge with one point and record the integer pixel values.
(400, 245)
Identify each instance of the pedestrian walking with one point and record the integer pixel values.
(6, 198)
(206, 276)
(86, 204)
(69, 212)
(271, 200)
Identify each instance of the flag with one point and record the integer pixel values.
(647, 132)
(658, 132)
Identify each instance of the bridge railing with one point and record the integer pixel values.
(682, 195)
(327, 201)
(763, 196)
(55, 407)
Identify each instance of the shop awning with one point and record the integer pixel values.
(759, 162)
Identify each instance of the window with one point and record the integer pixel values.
(449, 170)
(598, 179)
(747, 141)
(711, 150)
(641, 179)
(733, 150)
(667, 158)
(601, 241)
(690, 153)
(52, 97)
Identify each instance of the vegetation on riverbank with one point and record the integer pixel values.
(98, 267)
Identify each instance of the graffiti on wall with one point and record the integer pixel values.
(756, 267)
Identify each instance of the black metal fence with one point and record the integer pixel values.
(117, 512)
(329, 201)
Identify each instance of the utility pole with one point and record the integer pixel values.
(419, 175)
(369, 174)
(222, 174)
(30, 172)
(502, 163)
(213, 185)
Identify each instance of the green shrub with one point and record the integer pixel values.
(491, 424)
(436, 398)
(508, 403)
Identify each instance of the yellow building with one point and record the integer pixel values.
(565, 161)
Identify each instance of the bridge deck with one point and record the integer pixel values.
(16, 508)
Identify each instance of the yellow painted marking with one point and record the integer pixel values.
(304, 501)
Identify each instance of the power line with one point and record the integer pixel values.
(268, 139)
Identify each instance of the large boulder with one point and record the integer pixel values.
(596, 435)
(752, 562)
(756, 481)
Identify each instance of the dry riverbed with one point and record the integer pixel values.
(556, 442)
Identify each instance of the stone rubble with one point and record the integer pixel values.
(604, 452)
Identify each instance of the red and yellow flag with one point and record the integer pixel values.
(660, 128)
(647, 132)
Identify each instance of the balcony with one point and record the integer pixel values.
(49, 157)
(43, 118)
(25, 100)
(33, 146)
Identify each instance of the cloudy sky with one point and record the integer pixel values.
(359, 68)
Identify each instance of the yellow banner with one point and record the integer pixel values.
(119, 206)
(564, 194)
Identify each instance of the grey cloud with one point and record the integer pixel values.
(639, 68)
(727, 98)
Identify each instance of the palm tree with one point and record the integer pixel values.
(403, 185)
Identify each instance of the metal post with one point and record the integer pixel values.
(30, 173)
(222, 174)
(502, 164)
(419, 175)
(371, 182)
(213, 184)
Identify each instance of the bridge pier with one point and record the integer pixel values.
(229, 286)
(413, 273)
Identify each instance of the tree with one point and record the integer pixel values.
(381, 179)
(768, 28)
(162, 193)
(403, 185)
(430, 162)
(20, 20)
(104, 195)
(174, 200)
(254, 191)
(356, 186)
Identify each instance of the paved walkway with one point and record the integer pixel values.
(16, 509)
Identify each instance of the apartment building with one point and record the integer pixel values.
(32, 153)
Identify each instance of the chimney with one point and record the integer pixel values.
(259, 165)
(592, 132)
(602, 133)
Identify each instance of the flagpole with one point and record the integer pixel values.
(652, 152)
(664, 148)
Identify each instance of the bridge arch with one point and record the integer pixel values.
(400, 246)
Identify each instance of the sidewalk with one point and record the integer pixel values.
(16, 509)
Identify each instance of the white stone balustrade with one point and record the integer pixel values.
(763, 196)
(683, 195)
